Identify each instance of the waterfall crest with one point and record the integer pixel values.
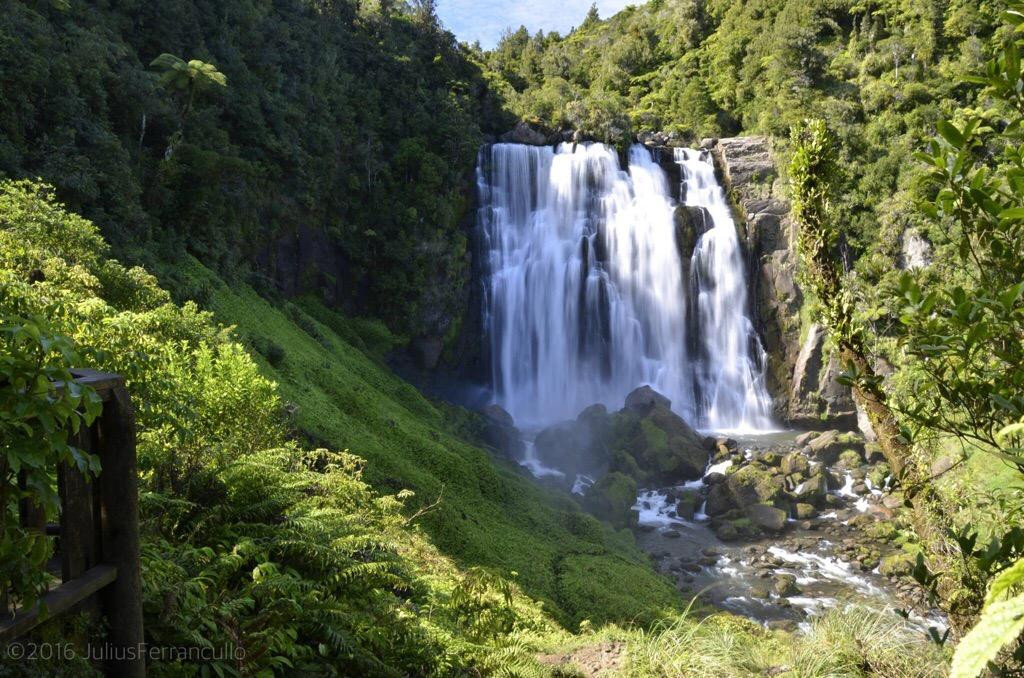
(586, 299)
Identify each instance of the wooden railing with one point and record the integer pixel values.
(97, 536)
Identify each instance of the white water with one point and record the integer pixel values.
(730, 360)
(586, 298)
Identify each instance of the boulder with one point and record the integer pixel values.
(753, 484)
(898, 564)
(878, 475)
(849, 459)
(577, 447)
(806, 437)
(612, 498)
(719, 500)
(524, 133)
(644, 399)
(500, 432)
(812, 490)
(785, 585)
(827, 446)
(655, 445)
(803, 511)
(767, 517)
(794, 462)
(687, 504)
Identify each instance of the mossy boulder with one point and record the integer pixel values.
(612, 498)
(665, 448)
(794, 462)
(813, 489)
(767, 517)
(878, 474)
(827, 446)
(687, 504)
(754, 484)
(898, 564)
(849, 459)
(803, 511)
(577, 447)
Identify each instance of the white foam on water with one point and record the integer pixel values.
(720, 467)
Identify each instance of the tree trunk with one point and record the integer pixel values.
(957, 578)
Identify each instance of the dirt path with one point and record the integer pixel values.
(592, 661)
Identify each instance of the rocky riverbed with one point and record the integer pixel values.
(783, 527)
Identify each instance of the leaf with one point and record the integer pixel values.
(950, 133)
(1004, 581)
(1000, 623)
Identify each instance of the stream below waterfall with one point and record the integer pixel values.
(781, 580)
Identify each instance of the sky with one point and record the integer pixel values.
(486, 20)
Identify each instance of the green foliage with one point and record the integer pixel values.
(40, 410)
(348, 128)
(1001, 625)
(282, 558)
(966, 327)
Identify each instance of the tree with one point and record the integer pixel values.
(951, 576)
(185, 80)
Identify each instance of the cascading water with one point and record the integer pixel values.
(586, 298)
(728, 359)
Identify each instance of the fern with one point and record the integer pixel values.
(1001, 623)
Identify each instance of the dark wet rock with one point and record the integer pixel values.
(714, 478)
(767, 517)
(577, 447)
(726, 532)
(691, 223)
(688, 503)
(760, 591)
(671, 534)
(525, 133)
(719, 500)
(500, 432)
(644, 399)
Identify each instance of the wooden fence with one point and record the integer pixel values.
(97, 536)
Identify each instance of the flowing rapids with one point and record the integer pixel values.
(588, 295)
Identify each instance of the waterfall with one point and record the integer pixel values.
(728, 360)
(586, 299)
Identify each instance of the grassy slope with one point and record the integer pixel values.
(489, 513)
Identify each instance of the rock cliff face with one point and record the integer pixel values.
(801, 372)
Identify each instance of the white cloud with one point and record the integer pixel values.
(486, 20)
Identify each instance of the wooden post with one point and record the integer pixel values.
(119, 514)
